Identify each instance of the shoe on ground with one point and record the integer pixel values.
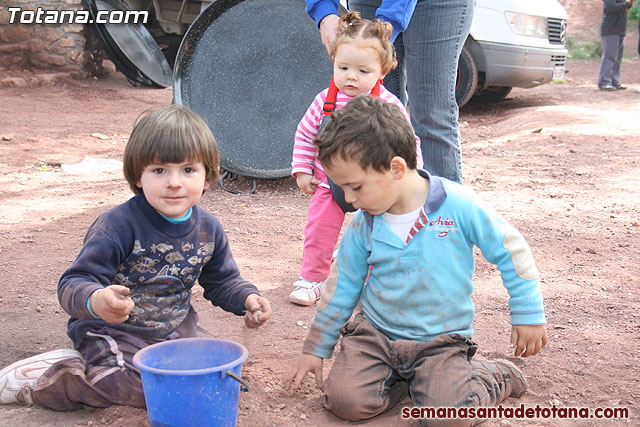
(18, 379)
(513, 377)
(621, 87)
(306, 292)
(607, 88)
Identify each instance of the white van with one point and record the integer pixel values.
(512, 43)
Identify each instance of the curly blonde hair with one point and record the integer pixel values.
(352, 27)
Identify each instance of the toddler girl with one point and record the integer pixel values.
(362, 55)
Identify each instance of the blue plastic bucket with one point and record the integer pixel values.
(192, 381)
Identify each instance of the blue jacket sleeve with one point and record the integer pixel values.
(318, 9)
(502, 245)
(342, 290)
(397, 12)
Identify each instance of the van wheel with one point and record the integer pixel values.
(467, 80)
(491, 94)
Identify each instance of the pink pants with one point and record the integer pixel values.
(321, 233)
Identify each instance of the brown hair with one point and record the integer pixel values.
(172, 134)
(352, 27)
(368, 131)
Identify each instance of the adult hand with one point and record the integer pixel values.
(307, 183)
(329, 31)
(112, 304)
(304, 364)
(528, 339)
(258, 311)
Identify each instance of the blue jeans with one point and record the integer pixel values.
(428, 52)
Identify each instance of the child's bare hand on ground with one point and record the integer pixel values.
(305, 363)
(307, 183)
(258, 311)
(112, 303)
(528, 339)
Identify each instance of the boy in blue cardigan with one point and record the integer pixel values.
(131, 284)
(407, 259)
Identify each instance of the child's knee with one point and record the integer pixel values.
(342, 404)
(352, 404)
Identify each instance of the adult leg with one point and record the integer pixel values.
(610, 49)
(321, 233)
(428, 52)
(432, 42)
(444, 374)
(615, 75)
(362, 383)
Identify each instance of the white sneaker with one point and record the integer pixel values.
(17, 380)
(306, 292)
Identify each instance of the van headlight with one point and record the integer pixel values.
(527, 25)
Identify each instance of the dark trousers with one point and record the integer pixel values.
(105, 376)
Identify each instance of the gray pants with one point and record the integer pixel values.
(371, 373)
(105, 376)
(612, 48)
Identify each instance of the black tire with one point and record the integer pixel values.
(467, 80)
(491, 94)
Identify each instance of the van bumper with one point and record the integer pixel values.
(520, 66)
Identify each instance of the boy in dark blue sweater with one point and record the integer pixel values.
(131, 284)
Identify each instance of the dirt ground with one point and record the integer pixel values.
(560, 161)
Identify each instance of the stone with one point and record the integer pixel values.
(68, 42)
(51, 59)
(50, 35)
(73, 28)
(35, 45)
(15, 33)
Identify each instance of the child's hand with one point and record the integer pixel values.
(528, 339)
(304, 364)
(307, 183)
(112, 303)
(258, 311)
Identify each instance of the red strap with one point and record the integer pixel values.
(375, 92)
(330, 101)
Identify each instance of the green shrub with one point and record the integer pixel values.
(584, 50)
(633, 12)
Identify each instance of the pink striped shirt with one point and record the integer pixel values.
(305, 152)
